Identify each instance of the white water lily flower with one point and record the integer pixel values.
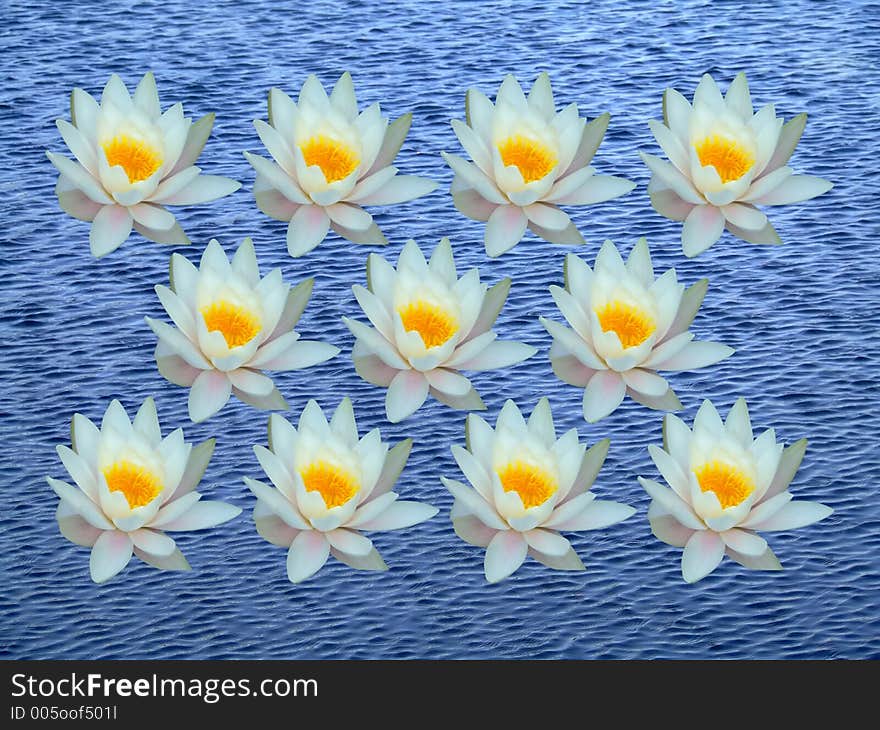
(132, 486)
(329, 162)
(429, 325)
(726, 486)
(131, 161)
(527, 486)
(527, 161)
(330, 485)
(231, 325)
(627, 325)
(723, 161)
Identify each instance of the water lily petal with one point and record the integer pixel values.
(504, 554)
(110, 554)
(702, 554)
(307, 555)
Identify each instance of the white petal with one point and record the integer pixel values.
(202, 515)
(795, 189)
(400, 189)
(571, 370)
(573, 343)
(744, 542)
(792, 516)
(278, 503)
(349, 542)
(789, 463)
(78, 176)
(178, 343)
(505, 553)
(498, 354)
(766, 561)
(475, 178)
(74, 527)
(406, 393)
(789, 136)
(548, 542)
(278, 179)
(597, 189)
(395, 460)
(208, 394)
(703, 227)
(672, 504)
(307, 229)
(702, 554)
(505, 228)
(273, 529)
(307, 555)
(79, 470)
(155, 543)
(603, 394)
(251, 381)
(645, 381)
(80, 503)
(196, 138)
(399, 515)
(475, 503)
(695, 355)
(376, 343)
(203, 189)
(744, 216)
(472, 531)
(669, 530)
(688, 307)
(547, 216)
(671, 470)
(673, 179)
(110, 554)
(597, 515)
(111, 226)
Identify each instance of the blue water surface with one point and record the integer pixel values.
(802, 317)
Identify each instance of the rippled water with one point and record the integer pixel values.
(803, 318)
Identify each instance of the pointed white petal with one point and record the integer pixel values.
(603, 394)
(110, 554)
(702, 554)
(505, 553)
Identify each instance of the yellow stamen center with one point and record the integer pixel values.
(237, 325)
(731, 159)
(139, 485)
(533, 158)
(138, 159)
(434, 324)
(336, 159)
(730, 485)
(335, 485)
(632, 325)
(533, 485)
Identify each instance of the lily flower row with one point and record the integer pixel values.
(427, 326)
(329, 485)
(330, 159)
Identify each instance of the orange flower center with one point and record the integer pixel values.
(730, 484)
(533, 159)
(139, 485)
(632, 325)
(137, 158)
(336, 159)
(237, 324)
(434, 324)
(533, 485)
(333, 483)
(730, 158)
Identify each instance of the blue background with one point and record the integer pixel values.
(802, 317)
